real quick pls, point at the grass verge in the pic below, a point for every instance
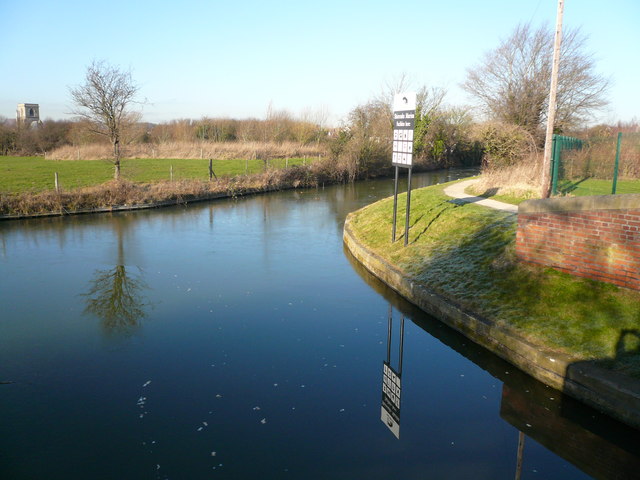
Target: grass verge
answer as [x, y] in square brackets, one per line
[467, 254]
[595, 186]
[506, 198]
[587, 187]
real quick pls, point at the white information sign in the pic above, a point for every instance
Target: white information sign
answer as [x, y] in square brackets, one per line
[404, 115]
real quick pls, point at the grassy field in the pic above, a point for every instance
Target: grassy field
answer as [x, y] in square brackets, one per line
[594, 186]
[22, 174]
[467, 254]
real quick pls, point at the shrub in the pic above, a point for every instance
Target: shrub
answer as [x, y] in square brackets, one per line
[445, 139]
[504, 144]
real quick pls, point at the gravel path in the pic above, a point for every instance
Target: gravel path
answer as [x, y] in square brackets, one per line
[457, 191]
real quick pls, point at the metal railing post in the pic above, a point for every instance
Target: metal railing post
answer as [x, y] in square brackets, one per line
[555, 160]
[615, 168]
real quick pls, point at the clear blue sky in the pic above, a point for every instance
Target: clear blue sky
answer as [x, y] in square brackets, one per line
[226, 58]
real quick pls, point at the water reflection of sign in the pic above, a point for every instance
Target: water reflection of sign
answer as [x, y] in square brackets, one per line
[391, 384]
[391, 388]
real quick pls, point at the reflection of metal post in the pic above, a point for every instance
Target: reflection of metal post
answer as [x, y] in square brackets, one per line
[406, 218]
[395, 207]
[520, 452]
[392, 383]
[401, 346]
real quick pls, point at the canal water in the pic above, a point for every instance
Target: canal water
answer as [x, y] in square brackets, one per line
[237, 339]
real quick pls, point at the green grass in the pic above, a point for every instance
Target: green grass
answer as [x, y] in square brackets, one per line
[588, 187]
[594, 186]
[22, 174]
[467, 254]
[512, 199]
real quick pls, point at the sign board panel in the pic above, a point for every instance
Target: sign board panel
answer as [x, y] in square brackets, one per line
[390, 411]
[404, 120]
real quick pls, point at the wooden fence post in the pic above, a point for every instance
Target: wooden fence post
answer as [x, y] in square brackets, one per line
[211, 174]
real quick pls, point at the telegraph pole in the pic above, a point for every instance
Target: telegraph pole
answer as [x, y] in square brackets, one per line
[551, 115]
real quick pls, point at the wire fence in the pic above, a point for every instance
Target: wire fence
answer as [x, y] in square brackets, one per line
[596, 166]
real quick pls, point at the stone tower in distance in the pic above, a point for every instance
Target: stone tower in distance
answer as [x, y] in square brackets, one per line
[28, 113]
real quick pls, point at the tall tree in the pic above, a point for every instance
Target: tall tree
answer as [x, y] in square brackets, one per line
[104, 101]
[511, 83]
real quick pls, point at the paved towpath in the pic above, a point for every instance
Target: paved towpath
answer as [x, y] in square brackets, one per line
[457, 191]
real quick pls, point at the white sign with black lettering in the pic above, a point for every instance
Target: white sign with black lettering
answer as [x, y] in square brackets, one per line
[404, 120]
[390, 411]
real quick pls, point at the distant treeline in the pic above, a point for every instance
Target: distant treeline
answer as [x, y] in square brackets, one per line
[51, 134]
[360, 146]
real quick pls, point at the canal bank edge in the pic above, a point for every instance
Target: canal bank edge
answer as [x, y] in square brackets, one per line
[611, 392]
[147, 206]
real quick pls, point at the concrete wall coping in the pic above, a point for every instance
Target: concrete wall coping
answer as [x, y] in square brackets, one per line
[576, 204]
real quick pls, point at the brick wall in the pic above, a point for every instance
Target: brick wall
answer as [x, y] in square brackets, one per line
[594, 237]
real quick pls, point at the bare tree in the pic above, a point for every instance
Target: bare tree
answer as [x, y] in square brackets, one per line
[365, 141]
[103, 101]
[277, 125]
[428, 99]
[511, 84]
[429, 102]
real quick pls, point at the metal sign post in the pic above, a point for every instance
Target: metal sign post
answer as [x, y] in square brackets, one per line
[395, 207]
[404, 120]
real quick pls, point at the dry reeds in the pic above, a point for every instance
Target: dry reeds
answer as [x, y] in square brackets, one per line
[217, 150]
[519, 180]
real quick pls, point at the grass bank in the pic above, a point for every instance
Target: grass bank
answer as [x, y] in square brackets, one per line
[466, 253]
[124, 194]
[36, 174]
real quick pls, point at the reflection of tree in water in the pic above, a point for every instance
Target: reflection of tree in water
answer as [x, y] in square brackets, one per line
[116, 297]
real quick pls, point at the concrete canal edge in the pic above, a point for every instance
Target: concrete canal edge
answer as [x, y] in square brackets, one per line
[610, 392]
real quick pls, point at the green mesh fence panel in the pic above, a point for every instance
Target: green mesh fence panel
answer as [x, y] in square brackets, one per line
[589, 167]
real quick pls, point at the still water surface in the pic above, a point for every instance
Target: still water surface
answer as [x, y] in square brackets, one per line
[238, 340]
